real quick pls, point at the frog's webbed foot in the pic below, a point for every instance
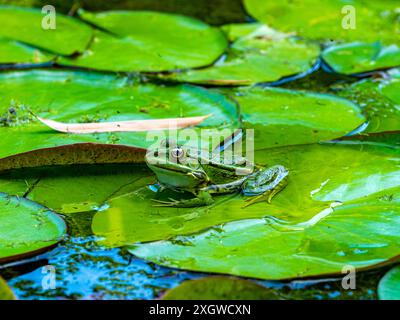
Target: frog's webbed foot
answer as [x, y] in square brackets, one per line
[201, 199]
[264, 185]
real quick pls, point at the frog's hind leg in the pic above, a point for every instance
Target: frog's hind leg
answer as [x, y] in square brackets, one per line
[264, 185]
[230, 187]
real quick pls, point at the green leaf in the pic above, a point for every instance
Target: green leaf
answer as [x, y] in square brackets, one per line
[287, 117]
[261, 55]
[331, 19]
[26, 228]
[340, 207]
[379, 100]
[87, 97]
[220, 288]
[311, 168]
[141, 45]
[389, 286]
[13, 52]
[5, 291]
[89, 187]
[358, 57]
[25, 25]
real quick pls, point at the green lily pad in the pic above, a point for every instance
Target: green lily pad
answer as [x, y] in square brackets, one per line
[358, 57]
[257, 248]
[5, 291]
[311, 228]
[26, 228]
[389, 286]
[13, 52]
[220, 288]
[25, 25]
[183, 43]
[316, 181]
[261, 55]
[89, 187]
[287, 117]
[87, 97]
[379, 101]
[324, 20]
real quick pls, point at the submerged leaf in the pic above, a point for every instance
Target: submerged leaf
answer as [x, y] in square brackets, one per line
[220, 288]
[5, 291]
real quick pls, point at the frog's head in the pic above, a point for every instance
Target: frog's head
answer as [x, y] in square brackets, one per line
[176, 165]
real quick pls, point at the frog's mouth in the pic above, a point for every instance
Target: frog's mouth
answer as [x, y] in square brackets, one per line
[175, 167]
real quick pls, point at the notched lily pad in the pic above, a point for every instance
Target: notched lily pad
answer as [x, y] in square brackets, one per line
[220, 288]
[26, 228]
[389, 286]
[149, 41]
[257, 54]
[25, 25]
[358, 57]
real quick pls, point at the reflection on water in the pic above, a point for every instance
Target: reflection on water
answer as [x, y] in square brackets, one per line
[85, 270]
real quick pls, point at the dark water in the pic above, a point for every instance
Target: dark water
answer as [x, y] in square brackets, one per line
[85, 270]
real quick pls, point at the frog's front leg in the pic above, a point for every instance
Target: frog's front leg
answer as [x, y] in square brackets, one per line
[202, 198]
[265, 184]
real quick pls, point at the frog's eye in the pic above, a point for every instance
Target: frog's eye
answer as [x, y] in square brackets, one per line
[177, 153]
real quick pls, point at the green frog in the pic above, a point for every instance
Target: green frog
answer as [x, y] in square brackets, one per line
[188, 169]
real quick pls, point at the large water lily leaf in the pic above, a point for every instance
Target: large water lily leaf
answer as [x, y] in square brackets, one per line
[316, 182]
[13, 52]
[389, 286]
[220, 288]
[267, 249]
[361, 57]
[286, 117]
[26, 227]
[380, 102]
[89, 187]
[307, 231]
[261, 55]
[85, 97]
[350, 20]
[183, 43]
[25, 25]
[5, 291]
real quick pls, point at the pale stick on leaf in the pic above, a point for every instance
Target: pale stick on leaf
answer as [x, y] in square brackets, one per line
[124, 126]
